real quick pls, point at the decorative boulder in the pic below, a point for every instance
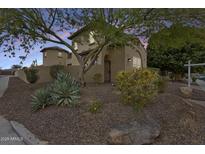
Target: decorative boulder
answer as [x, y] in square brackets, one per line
[186, 91]
[138, 132]
[119, 137]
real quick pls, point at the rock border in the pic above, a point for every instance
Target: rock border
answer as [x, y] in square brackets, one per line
[28, 137]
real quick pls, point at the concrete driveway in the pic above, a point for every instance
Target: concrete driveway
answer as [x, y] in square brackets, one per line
[4, 80]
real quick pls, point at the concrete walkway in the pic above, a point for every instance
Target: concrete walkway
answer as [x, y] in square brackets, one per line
[4, 80]
[8, 135]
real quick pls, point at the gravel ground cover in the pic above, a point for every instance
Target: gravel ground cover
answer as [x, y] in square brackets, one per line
[180, 122]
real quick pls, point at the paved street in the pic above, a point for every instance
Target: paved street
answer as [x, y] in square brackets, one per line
[201, 83]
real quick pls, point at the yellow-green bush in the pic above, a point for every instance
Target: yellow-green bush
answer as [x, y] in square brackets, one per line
[137, 86]
[95, 106]
[162, 84]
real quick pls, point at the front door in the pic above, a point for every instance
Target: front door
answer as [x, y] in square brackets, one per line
[107, 71]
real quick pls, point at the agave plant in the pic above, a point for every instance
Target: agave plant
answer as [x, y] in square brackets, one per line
[41, 99]
[66, 90]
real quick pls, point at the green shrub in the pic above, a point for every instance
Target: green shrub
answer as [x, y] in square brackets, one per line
[97, 78]
[137, 86]
[31, 75]
[155, 69]
[162, 84]
[95, 106]
[66, 90]
[55, 69]
[171, 76]
[194, 79]
[41, 99]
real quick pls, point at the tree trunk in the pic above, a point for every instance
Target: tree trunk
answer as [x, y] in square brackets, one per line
[81, 77]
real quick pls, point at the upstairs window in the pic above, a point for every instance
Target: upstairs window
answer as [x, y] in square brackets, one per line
[45, 54]
[137, 62]
[60, 54]
[75, 46]
[91, 38]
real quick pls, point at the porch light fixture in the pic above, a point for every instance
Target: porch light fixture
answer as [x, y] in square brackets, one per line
[129, 59]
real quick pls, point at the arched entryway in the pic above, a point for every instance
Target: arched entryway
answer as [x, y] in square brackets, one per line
[107, 69]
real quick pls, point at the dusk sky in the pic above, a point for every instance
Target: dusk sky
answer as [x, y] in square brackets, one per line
[6, 62]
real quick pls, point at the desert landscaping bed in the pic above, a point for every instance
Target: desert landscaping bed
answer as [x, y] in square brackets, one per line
[180, 122]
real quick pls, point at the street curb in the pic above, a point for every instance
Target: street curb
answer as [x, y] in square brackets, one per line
[28, 137]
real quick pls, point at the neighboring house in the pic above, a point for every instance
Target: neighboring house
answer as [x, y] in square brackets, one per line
[56, 56]
[110, 60]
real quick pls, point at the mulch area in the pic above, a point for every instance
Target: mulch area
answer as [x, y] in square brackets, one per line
[180, 123]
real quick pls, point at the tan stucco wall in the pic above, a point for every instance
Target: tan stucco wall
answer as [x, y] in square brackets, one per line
[43, 74]
[21, 75]
[53, 59]
[119, 60]
[74, 70]
[74, 60]
[116, 56]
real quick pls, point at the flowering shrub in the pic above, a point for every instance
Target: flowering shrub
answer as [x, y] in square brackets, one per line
[138, 86]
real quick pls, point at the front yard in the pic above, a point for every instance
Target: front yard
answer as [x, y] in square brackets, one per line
[180, 122]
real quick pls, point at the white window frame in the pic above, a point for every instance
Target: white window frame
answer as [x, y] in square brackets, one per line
[75, 46]
[60, 54]
[45, 54]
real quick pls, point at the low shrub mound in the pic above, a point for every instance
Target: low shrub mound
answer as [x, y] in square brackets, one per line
[162, 84]
[138, 86]
[194, 79]
[31, 74]
[95, 106]
[64, 91]
[55, 69]
[41, 99]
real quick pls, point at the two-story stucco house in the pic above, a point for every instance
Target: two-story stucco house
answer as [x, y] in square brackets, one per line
[56, 56]
[110, 60]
